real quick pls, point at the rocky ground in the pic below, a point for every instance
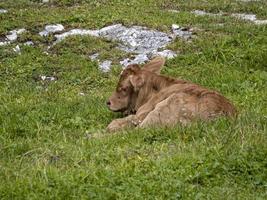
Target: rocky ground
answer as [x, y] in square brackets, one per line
[141, 42]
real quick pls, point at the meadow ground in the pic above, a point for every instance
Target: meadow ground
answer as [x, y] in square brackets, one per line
[46, 151]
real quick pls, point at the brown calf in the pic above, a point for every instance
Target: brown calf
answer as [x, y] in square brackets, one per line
[151, 99]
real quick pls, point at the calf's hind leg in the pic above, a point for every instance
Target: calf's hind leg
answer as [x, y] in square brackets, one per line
[177, 108]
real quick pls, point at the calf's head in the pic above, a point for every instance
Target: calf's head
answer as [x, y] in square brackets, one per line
[132, 78]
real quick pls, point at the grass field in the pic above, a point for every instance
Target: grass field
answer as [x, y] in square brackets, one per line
[46, 151]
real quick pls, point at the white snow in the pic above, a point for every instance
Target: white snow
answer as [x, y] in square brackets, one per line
[139, 59]
[249, 17]
[94, 56]
[242, 16]
[105, 65]
[72, 32]
[3, 11]
[17, 49]
[203, 13]
[4, 43]
[28, 43]
[169, 54]
[140, 41]
[54, 28]
[13, 35]
[47, 78]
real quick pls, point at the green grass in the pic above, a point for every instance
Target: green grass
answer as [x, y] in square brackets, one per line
[46, 151]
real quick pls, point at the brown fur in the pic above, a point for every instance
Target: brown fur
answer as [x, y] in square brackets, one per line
[151, 99]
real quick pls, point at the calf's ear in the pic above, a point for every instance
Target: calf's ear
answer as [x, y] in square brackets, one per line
[137, 81]
[133, 67]
[155, 65]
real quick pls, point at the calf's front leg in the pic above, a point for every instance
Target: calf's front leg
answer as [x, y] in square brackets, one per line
[121, 123]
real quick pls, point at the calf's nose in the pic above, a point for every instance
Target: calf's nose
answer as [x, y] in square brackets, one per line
[108, 103]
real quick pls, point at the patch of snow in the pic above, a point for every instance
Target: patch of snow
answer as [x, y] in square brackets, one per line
[139, 59]
[17, 49]
[72, 32]
[243, 16]
[48, 78]
[54, 28]
[134, 39]
[220, 24]
[126, 62]
[249, 0]
[203, 13]
[181, 32]
[28, 43]
[143, 58]
[260, 22]
[13, 35]
[175, 27]
[3, 11]
[169, 54]
[4, 43]
[249, 17]
[173, 11]
[108, 29]
[45, 1]
[94, 56]
[137, 40]
[105, 66]
[199, 12]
